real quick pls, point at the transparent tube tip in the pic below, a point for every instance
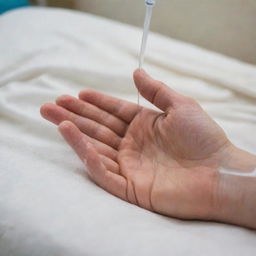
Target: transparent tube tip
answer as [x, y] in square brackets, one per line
[150, 2]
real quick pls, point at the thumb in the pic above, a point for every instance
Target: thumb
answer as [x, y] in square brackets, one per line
[154, 91]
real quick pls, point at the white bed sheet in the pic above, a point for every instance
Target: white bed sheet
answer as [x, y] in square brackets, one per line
[47, 205]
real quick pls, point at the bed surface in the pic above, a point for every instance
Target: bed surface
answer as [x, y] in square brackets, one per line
[48, 206]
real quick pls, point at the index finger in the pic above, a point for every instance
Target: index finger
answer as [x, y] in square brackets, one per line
[122, 109]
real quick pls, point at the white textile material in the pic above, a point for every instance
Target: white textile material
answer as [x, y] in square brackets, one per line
[47, 205]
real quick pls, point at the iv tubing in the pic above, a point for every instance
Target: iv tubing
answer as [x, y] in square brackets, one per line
[149, 6]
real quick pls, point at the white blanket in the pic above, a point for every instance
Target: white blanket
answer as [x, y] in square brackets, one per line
[47, 205]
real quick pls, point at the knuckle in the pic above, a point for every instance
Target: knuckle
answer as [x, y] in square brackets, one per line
[103, 116]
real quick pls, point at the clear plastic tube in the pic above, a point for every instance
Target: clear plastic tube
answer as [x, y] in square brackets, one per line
[149, 8]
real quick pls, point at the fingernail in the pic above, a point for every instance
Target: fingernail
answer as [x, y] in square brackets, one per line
[145, 73]
[142, 71]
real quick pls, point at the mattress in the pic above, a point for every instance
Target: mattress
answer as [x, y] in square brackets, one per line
[48, 206]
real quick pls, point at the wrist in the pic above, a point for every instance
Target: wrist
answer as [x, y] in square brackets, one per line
[236, 159]
[235, 195]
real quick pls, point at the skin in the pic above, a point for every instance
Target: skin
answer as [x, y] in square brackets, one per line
[165, 161]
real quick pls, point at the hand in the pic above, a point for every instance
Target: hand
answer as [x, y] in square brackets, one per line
[164, 161]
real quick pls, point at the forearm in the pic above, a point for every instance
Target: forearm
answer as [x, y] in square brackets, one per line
[236, 195]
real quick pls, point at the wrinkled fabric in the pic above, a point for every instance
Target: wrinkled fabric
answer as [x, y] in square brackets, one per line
[48, 206]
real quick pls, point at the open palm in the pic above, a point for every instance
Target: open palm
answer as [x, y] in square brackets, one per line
[163, 161]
